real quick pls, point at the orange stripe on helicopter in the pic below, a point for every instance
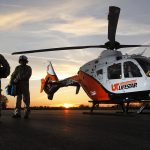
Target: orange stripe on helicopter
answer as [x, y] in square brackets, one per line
[93, 89]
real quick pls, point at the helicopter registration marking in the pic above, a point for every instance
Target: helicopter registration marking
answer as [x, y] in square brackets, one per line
[124, 85]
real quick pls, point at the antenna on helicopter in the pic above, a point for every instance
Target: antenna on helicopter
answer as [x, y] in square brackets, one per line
[112, 44]
[142, 52]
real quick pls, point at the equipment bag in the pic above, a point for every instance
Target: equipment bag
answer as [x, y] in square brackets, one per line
[11, 90]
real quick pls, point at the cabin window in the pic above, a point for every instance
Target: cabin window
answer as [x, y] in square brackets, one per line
[99, 72]
[114, 71]
[131, 70]
[145, 65]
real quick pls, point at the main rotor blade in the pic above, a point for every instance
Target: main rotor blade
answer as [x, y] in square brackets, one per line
[113, 17]
[60, 48]
[126, 46]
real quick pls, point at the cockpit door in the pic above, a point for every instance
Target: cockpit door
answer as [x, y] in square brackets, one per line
[133, 78]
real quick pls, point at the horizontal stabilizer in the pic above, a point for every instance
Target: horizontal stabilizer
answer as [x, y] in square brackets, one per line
[51, 88]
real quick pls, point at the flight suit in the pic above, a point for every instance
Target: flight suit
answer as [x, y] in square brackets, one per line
[21, 77]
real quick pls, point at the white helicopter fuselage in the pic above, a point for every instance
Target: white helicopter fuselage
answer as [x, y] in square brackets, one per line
[105, 78]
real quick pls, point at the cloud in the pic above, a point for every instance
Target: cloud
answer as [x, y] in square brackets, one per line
[12, 20]
[69, 16]
[94, 26]
[126, 27]
[57, 11]
[81, 26]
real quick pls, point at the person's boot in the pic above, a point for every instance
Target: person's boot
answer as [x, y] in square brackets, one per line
[16, 116]
[26, 115]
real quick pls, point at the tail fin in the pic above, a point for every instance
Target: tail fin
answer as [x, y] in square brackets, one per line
[51, 73]
[51, 76]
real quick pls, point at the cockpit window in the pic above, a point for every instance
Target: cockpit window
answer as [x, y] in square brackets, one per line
[114, 71]
[131, 70]
[145, 65]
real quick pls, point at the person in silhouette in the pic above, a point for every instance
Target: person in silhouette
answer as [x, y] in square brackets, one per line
[4, 72]
[21, 77]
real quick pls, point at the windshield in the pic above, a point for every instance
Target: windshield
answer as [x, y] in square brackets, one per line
[131, 70]
[145, 65]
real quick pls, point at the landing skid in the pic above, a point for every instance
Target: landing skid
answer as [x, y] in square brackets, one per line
[124, 106]
[93, 107]
[139, 111]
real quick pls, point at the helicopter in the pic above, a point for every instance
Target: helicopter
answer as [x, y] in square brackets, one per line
[112, 78]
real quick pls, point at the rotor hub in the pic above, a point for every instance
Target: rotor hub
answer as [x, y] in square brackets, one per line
[112, 45]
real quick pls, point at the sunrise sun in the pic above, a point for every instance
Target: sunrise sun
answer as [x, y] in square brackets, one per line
[66, 105]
